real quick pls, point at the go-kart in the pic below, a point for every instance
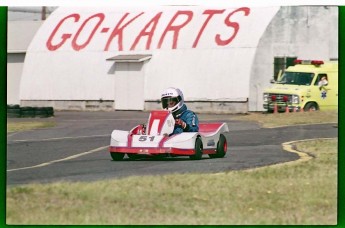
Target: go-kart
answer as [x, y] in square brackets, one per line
[156, 139]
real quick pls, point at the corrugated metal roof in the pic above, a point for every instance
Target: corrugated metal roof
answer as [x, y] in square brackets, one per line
[29, 13]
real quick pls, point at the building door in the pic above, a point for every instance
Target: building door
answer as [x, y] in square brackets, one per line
[129, 86]
[129, 80]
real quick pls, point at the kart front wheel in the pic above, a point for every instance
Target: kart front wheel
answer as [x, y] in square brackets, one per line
[222, 147]
[117, 156]
[198, 150]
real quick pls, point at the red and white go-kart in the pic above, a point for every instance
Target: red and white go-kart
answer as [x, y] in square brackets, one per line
[153, 139]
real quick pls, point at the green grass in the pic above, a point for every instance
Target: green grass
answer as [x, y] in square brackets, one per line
[298, 193]
[25, 126]
[292, 118]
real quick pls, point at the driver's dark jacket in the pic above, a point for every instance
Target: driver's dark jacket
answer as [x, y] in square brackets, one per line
[189, 117]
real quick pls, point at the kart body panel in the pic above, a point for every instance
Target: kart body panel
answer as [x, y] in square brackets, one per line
[156, 138]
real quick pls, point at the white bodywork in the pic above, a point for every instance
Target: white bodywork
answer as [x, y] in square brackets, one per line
[156, 140]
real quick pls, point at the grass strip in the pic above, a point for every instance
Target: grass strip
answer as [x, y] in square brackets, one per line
[293, 118]
[25, 126]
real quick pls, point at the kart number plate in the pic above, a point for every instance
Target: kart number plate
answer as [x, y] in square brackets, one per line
[148, 138]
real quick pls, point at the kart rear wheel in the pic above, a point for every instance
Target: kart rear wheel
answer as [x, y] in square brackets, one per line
[198, 150]
[222, 147]
[133, 156]
[117, 156]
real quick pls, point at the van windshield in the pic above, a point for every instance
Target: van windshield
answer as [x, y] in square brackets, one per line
[296, 78]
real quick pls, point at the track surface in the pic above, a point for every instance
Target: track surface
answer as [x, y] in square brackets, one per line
[77, 148]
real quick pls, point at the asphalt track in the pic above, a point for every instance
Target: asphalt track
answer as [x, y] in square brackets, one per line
[77, 148]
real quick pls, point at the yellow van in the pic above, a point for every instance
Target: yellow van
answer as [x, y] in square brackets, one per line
[309, 85]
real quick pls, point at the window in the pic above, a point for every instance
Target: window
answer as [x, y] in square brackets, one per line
[281, 63]
[318, 78]
[296, 78]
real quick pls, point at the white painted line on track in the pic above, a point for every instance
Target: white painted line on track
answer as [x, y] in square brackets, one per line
[12, 134]
[88, 120]
[60, 160]
[53, 139]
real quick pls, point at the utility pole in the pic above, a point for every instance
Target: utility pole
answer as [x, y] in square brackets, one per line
[43, 13]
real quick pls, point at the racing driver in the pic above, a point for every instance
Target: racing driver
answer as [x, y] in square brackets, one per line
[185, 120]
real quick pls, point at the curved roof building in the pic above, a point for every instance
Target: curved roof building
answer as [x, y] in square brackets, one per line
[121, 58]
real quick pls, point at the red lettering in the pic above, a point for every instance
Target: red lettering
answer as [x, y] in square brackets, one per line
[149, 34]
[175, 28]
[210, 13]
[234, 25]
[118, 31]
[178, 21]
[78, 47]
[64, 37]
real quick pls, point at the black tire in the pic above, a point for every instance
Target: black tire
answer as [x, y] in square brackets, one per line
[222, 146]
[133, 156]
[27, 112]
[41, 112]
[27, 108]
[50, 111]
[311, 107]
[117, 156]
[13, 113]
[13, 106]
[198, 150]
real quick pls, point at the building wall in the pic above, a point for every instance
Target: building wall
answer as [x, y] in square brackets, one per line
[20, 34]
[307, 32]
[15, 62]
[201, 50]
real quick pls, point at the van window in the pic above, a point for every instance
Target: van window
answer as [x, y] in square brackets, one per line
[318, 78]
[296, 78]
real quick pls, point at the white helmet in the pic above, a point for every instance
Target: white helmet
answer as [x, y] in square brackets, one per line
[172, 94]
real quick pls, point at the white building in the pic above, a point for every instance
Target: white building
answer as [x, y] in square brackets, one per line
[20, 34]
[122, 58]
[23, 23]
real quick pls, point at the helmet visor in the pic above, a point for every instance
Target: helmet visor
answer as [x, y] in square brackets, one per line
[169, 102]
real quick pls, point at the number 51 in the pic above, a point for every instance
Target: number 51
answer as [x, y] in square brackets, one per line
[144, 138]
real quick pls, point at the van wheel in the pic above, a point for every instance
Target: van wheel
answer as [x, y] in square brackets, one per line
[311, 107]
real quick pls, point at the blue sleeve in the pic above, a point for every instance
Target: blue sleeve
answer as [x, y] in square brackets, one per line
[192, 122]
[177, 130]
